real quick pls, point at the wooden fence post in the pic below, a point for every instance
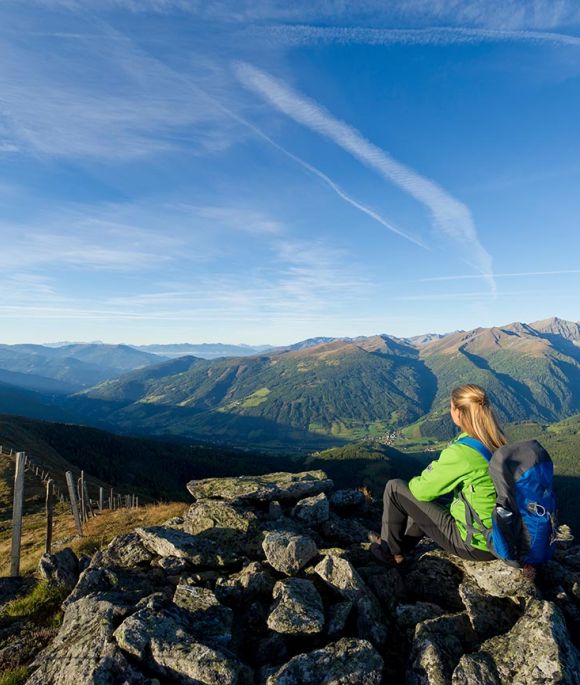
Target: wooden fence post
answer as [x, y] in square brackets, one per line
[88, 504]
[111, 501]
[49, 509]
[73, 502]
[100, 499]
[17, 514]
[82, 496]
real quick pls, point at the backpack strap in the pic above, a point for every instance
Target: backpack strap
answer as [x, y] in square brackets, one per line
[476, 444]
[471, 516]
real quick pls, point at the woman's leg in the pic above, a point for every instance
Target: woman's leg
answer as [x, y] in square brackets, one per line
[429, 518]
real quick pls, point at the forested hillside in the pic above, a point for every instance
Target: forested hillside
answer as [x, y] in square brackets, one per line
[329, 393]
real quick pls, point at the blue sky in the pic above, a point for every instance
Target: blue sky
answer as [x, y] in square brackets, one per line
[264, 172]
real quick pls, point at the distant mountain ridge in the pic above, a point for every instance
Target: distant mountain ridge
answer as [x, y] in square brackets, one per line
[68, 367]
[204, 350]
[316, 393]
[347, 388]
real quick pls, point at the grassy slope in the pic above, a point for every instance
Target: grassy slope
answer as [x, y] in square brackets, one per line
[98, 531]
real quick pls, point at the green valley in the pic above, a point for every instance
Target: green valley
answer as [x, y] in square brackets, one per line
[330, 393]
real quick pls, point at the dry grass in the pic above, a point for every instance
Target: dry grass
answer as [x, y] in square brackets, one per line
[15, 676]
[98, 531]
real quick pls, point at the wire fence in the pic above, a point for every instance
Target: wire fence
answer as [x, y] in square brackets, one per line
[86, 500]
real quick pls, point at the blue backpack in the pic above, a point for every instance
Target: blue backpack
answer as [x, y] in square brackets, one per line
[524, 518]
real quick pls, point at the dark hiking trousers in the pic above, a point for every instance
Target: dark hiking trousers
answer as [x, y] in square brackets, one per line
[406, 520]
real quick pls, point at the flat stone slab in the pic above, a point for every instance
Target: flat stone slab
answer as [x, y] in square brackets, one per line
[271, 486]
[199, 551]
[347, 661]
[498, 579]
[210, 514]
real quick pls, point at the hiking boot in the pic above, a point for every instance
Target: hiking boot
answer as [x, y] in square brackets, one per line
[381, 552]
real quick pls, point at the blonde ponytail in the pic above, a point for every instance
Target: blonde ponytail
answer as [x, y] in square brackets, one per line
[477, 418]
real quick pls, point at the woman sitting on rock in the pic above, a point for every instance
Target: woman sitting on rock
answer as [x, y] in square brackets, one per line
[409, 510]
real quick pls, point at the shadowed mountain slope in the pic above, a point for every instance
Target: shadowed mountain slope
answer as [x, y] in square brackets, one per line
[347, 388]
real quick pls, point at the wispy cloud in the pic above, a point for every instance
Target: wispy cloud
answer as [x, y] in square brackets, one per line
[240, 219]
[300, 282]
[482, 295]
[295, 35]
[451, 216]
[520, 274]
[102, 238]
[488, 13]
[131, 127]
[104, 99]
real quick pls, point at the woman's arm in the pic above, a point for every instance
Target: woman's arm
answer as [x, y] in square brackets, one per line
[441, 476]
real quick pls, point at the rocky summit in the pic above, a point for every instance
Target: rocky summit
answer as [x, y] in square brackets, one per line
[269, 580]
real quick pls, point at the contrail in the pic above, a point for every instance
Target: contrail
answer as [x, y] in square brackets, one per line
[506, 275]
[304, 34]
[114, 33]
[451, 216]
[319, 174]
[337, 189]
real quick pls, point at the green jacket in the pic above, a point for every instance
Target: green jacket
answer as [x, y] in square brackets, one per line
[464, 468]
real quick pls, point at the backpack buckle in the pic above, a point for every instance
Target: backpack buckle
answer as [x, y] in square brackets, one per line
[535, 508]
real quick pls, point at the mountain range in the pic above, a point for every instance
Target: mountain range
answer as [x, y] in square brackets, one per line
[317, 393]
[67, 368]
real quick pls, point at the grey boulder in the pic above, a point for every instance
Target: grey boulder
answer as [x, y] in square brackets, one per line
[287, 551]
[211, 619]
[126, 550]
[536, 651]
[438, 645]
[163, 639]
[342, 576]
[312, 510]
[252, 582]
[347, 661]
[199, 551]
[498, 579]
[84, 652]
[264, 488]
[347, 498]
[61, 568]
[297, 608]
